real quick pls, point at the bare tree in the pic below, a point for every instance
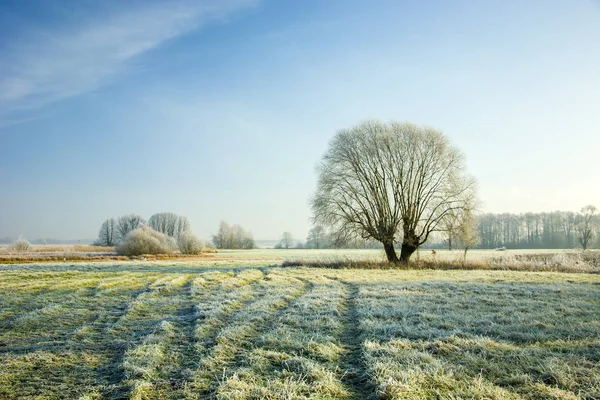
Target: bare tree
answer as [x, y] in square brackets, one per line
[317, 238]
[128, 223]
[220, 238]
[449, 227]
[586, 226]
[108, 233]
[169, 223]
[390, 181]
[468, 232]
[286, 240]
[233, 237]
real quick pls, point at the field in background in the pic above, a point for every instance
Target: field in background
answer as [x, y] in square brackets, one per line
[175, 330]
[274, 256]
[379, 255]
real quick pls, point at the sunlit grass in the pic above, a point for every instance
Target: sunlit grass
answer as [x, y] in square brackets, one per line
[169, 331]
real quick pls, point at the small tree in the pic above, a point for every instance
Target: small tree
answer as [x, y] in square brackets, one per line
[449, 227]
[107, 236]
[21, 244]
[220, 238]
[468, 232]
[286, 240]
[586, 226]
[189, 243]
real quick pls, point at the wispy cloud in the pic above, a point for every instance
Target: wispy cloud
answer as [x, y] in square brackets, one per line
[61, 65]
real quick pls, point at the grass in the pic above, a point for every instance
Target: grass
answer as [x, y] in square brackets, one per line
[588, 262]
[173, 331]
[532, 260]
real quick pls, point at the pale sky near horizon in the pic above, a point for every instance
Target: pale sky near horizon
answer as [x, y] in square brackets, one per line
[220, 110]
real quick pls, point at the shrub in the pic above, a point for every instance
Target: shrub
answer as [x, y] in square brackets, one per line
[145, 240]
[21, 245]
[189, 243]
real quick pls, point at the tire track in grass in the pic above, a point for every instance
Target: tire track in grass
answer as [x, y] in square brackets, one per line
[84, 343]
[104, 319]
[356, 376]
[154, 320]
[242, 359]
[39, 303]
[140, 363]
[241, 329]
[88, 299]
[308, 288]
[272, 324]
[214, 319]
[170, 346]
[159, 363]
[181, 354]
[111, 325]
[298, 353]
[184, 349]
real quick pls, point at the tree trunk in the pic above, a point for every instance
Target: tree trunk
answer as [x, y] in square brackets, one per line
[407, 250]
[390, 252]
[410, 243]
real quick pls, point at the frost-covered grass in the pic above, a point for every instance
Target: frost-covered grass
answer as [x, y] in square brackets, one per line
[170, 331]
[528, 260]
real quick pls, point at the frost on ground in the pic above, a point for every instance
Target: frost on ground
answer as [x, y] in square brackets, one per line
[173, 332]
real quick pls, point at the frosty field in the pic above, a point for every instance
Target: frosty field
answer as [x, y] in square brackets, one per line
[154, 331]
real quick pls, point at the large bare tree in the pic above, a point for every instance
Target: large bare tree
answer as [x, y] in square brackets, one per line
[390, 182]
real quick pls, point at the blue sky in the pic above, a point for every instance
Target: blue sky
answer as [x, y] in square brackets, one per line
[220, 110]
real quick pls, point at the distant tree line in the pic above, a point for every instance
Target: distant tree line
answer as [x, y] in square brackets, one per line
[458, 229]
[464, 230]
[552, 230]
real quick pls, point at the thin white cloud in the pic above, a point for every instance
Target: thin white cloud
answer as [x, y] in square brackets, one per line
[61, 65]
